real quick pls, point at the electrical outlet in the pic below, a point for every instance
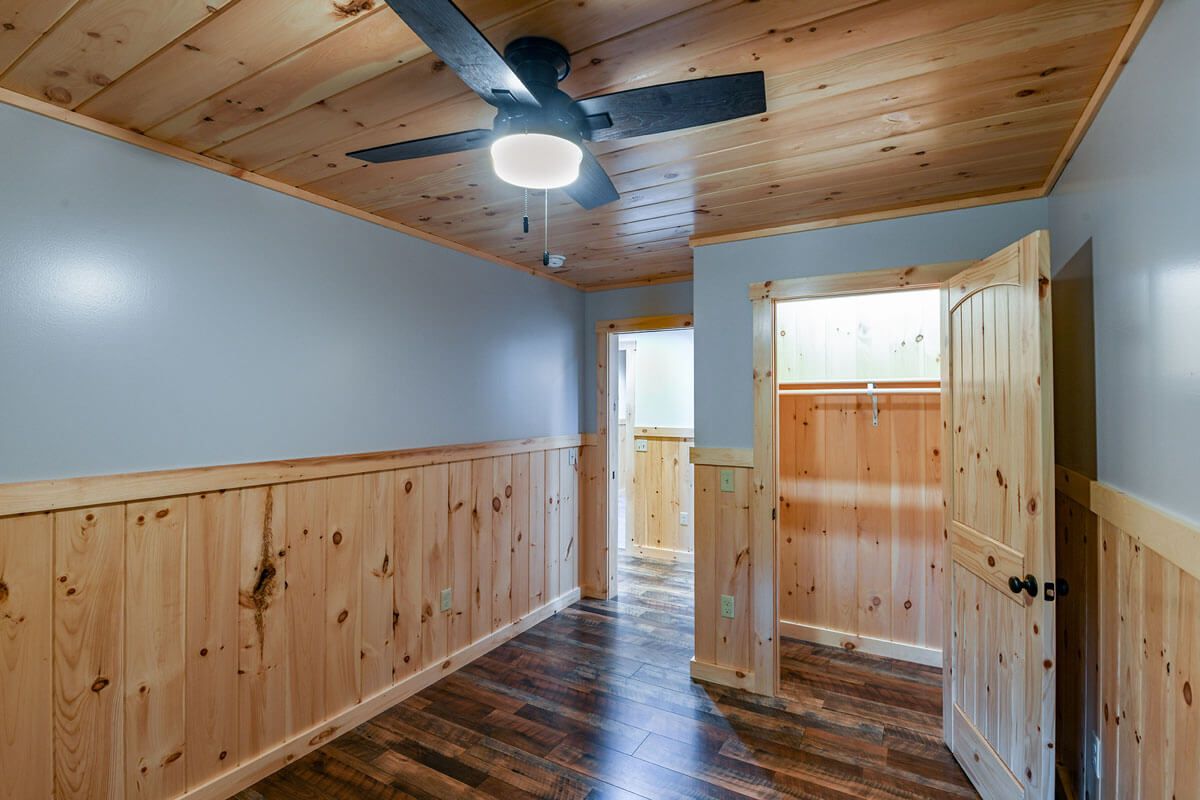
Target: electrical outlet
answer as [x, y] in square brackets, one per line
[684, 518]
[643, 446]
[447, 599]
[571, 457]
[727, 606]
[726, 480]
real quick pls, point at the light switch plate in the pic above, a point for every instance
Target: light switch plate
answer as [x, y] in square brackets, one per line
[571, 457]
[684, 518]
[447, 599]
[726, 480]
[727, 606]
[643, 446]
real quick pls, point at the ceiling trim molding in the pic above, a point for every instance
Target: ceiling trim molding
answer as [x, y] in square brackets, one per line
[47, 109]
[636, 283]
[1137, 28]
[869, 216]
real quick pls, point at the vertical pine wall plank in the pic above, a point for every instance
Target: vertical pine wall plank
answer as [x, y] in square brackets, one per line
[26, 650]
[553, 534]
[89, 565]
[155, 622]
[459, 534]
[708, 482]
[406, 589]
[378, 572]
[873, 504]
[435, 552]
[501, 555]
[213, 550]
[568, 488]
[262, 621]
[520, 535]
[481, 547]
[343, 593]
[733, 571]
[304, 597]
[537, 530]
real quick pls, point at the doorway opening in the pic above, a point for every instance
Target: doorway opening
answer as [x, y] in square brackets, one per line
[860, 512]
[655, 434]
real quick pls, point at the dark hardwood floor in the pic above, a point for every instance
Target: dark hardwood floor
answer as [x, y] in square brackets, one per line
[597, 703]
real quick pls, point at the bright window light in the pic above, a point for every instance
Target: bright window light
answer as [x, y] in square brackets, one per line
[536, 160]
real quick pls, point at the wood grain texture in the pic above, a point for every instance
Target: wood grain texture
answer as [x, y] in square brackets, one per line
[188, 645]
[542, 717]
[27, 654]
[723, 566]
[155, 648]
[662, 483]
[89, 629]
[213, 549]
[863, 565]
[1147, 667]
[923, 104]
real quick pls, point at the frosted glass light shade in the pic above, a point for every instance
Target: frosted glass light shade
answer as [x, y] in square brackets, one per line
[536, 160]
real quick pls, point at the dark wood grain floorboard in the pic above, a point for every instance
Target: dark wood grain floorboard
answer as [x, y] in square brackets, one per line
[597, 702]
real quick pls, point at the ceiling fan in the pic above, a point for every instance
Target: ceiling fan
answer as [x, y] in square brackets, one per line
[536, 139]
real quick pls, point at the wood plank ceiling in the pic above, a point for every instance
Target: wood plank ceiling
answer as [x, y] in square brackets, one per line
[873, 105]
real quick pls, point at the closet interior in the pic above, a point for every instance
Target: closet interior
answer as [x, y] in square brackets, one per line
[859, 473]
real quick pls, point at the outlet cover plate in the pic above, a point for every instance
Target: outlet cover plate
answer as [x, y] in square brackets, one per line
[727, 606]
[447, 599]
[726, 480]
[643, 446]
[685, 518]
[571, 457]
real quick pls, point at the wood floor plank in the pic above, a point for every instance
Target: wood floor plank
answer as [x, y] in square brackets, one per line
[597, 702]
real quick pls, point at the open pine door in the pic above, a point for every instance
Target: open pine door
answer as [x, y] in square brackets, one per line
[999, 485]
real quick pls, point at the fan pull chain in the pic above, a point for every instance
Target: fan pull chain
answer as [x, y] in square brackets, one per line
[546, 231]
[525, 219]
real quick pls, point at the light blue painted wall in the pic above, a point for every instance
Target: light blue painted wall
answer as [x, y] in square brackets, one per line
[154, 314]
[724, 272]
[642, 301]
[1132, 190]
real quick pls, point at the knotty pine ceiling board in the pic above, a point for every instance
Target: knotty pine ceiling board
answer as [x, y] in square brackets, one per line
[872, 105]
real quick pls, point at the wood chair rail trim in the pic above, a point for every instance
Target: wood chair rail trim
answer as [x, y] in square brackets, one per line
[1176, 540]
[742, 457]
[60, 493]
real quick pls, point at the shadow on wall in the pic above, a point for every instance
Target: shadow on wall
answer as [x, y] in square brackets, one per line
[1076, 544]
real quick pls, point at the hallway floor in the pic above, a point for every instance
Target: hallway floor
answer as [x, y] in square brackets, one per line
[596, 702]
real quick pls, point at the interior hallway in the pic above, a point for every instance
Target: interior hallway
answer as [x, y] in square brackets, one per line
[596, 702]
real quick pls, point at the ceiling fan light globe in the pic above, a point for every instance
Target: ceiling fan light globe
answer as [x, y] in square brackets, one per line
[536, 160]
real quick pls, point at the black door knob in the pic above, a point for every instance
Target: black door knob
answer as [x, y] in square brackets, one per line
[1029, 584]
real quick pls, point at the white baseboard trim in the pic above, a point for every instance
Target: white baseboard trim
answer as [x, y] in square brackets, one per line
[264, 764]
[862, 644]
[661, 554]
[725, 676]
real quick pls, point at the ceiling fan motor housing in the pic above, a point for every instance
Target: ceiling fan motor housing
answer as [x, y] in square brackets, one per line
[541, 64]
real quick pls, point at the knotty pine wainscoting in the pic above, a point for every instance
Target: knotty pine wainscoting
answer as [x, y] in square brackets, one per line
[722, 531]
[860, 522]
[1141, 608]
[662, 490]
[184, 633]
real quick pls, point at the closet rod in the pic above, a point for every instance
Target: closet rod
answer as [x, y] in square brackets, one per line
[819, 392]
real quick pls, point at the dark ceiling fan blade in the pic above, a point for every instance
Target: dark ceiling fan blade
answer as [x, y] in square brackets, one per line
[465, 50]
[430, 146]
[672, 106]
[593, 187]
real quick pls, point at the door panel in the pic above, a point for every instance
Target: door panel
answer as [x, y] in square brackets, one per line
[998, 474]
